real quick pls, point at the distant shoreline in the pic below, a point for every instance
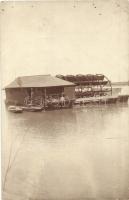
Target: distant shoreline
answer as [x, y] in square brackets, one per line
[120, 83]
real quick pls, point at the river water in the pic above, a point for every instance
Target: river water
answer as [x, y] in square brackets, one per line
[80, 153]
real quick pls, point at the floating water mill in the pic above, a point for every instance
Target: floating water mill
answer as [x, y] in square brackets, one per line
[89, 85]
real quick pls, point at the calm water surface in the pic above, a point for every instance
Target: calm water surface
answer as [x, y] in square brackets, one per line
[80, 153]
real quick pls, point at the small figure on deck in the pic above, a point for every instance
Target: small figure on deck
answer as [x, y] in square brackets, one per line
[31, 96]
[67, 100]
[62, 100]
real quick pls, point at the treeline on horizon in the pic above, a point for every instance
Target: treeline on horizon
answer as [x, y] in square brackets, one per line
[120, 83]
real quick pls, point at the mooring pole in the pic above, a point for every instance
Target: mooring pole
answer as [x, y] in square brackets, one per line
[45, 95]
[31, 95]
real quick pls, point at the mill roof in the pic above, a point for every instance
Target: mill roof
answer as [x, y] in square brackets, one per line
[38, 81]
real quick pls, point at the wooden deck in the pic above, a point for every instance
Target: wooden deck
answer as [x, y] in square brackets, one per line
[100, 100]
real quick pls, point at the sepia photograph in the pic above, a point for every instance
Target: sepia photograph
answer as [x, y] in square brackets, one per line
[64, 99]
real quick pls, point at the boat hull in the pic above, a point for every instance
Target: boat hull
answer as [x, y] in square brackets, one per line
[123, 98]
[15, 109]
[32, 109]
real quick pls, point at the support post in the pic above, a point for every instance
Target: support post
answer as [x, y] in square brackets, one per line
[45, 95]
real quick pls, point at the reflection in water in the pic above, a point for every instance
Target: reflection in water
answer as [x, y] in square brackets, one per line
[76, 153]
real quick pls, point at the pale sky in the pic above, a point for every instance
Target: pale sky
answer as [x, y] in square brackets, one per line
[65, 37]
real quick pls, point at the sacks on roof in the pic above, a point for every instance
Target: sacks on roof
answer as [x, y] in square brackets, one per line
[70, 78]
[81, 77]
[89, 77]
[100, 77]
[60, 76]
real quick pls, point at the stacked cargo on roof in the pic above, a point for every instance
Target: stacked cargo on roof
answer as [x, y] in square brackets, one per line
[89, 85]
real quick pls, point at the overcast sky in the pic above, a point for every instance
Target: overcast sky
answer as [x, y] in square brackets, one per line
[65, 37]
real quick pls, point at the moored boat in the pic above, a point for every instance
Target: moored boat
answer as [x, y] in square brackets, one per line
[99, 100]
[123, 98]
[108, 100]
[15, 109]
[32, 108]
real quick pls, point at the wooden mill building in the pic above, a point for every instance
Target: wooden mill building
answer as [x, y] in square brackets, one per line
[42, 86]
